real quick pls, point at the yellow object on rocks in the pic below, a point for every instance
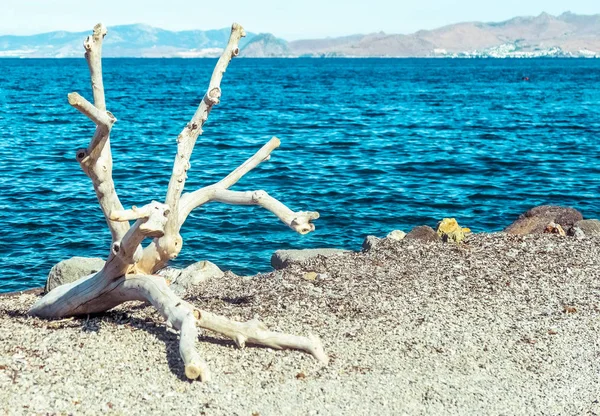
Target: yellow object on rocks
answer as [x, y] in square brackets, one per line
[310, 276]
[449, 230]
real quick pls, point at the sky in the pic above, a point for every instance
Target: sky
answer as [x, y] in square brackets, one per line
[287, 19]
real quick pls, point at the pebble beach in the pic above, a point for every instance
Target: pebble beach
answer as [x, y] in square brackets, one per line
[499, 324]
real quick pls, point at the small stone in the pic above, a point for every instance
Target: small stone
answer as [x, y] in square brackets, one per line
[577, 233]
[322, 276]
[396, 235]
[193, 275]
[370, 242]
[586, 228]
[310, 276]
[170, 274]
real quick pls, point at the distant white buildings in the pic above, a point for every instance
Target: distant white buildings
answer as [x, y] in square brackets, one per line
[511, 50]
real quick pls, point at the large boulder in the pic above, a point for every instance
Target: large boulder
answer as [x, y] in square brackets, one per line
[183, 279]
[422, 233]
[587, 228]
[537, 219]
[69, 270]
[283, 258]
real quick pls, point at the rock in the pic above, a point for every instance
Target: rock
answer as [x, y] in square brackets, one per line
[449, 230]
[283, 258]
[170, 274]
[370, 242]
[69, 270]
[422, 233]
[587, 227]
[554, 228]
[536, 219]
[577, 233]
[396, 235]
[192, 275]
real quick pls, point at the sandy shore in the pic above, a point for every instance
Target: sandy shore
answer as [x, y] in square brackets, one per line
[500, 325]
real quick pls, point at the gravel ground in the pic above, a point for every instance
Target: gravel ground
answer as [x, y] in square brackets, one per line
[499, 325]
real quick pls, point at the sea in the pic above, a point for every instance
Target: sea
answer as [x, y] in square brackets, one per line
[373, 145]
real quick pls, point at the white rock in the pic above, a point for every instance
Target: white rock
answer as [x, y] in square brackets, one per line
[396, 235]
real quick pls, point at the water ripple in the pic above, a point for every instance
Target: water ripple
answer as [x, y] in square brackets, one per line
[373, 144]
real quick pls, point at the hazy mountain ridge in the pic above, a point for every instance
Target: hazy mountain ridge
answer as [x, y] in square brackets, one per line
[545, 35]
[136, 40]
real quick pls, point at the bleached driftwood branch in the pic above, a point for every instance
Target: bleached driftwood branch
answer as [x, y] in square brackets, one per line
[128, 272]
[95, 293]
[219, 192]
[96, 159]
[187, 140]
[297, 221]
[93, 56]
[255, 332]
[192, 200]
[101, 118]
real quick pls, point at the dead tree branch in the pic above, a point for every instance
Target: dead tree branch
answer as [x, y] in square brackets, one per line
[128, 271]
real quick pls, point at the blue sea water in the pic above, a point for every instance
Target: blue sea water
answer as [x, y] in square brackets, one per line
[372, 144]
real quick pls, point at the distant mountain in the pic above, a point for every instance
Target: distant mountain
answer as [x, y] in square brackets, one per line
[265, 45]
[544, 35]
[123, 41]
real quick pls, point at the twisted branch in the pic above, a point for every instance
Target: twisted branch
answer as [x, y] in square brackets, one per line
[255, 332]
[160, 251]
[93, 56]
[192, 200]
[96, 159]
[188, 136]
[126, 275]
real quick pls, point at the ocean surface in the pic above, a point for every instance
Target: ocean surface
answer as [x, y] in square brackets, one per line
[372, 144]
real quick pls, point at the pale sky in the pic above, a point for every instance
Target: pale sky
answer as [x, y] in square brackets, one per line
[287, 19]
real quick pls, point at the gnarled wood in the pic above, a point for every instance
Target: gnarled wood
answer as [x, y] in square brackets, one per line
[96, 159]
[170, 245]
[128, 272]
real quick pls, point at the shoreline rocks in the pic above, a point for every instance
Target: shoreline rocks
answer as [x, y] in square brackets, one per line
[370, 242]
[396, 235]
[586, 228]
[69, 270]
[423, 233]
[561, 221]
[538, 218]
[182, 280]
[284, 258]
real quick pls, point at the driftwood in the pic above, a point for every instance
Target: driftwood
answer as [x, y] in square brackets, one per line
[129, 272]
